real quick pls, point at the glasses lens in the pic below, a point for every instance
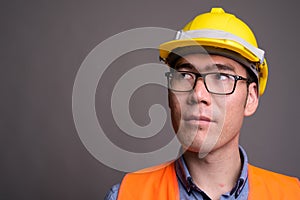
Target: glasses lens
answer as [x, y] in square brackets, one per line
[181, 81]
[220, 83]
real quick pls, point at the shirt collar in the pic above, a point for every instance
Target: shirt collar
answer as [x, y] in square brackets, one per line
[184, 176]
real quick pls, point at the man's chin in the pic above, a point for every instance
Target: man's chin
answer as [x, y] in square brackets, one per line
[202, 149]
[196, 148]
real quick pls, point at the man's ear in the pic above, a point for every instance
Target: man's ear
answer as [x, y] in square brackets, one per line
[252, 100]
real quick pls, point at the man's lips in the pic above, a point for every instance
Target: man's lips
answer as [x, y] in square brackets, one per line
[198, 120]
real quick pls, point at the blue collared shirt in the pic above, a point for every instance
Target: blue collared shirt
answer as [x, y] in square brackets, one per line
[188, 190]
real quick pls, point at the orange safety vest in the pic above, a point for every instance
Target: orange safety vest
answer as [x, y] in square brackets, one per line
[160, 183]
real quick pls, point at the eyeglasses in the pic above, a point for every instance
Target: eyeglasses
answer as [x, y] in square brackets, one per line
[215, 82]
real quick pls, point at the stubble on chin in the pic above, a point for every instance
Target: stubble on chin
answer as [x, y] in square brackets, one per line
[199, 140]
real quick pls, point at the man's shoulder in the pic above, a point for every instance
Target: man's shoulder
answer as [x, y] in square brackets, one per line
[267, 174]
[266, 181]
[140, 177]
[112, 194]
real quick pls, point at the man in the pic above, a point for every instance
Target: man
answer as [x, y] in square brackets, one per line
[217, 74]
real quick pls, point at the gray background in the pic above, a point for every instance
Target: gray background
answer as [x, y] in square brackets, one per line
[43, 44]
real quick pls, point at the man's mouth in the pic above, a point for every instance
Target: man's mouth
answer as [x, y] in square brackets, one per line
[200, 120]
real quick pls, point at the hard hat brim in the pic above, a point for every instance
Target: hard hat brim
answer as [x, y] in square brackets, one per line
[168, 47]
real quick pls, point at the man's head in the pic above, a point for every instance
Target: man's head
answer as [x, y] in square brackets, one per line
[217, 73]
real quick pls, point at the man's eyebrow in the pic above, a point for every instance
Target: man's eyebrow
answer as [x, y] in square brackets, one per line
[184, 65]
[211, 67]
[223, 67]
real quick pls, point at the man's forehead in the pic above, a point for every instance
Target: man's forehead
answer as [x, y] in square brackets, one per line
[207, 62]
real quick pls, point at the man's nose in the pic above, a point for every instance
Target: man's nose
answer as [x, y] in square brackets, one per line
[200, 93]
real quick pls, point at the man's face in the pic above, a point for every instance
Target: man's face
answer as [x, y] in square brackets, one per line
[205, 121]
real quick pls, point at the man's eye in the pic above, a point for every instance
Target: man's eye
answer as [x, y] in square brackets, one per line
[222, 77]
[185, 75]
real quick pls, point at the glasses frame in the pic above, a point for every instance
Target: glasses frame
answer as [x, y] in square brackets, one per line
[203, 76]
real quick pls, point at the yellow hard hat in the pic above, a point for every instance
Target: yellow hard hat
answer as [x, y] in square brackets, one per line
[221, 30]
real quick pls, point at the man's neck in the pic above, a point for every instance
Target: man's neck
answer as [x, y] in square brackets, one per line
[218, 172]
